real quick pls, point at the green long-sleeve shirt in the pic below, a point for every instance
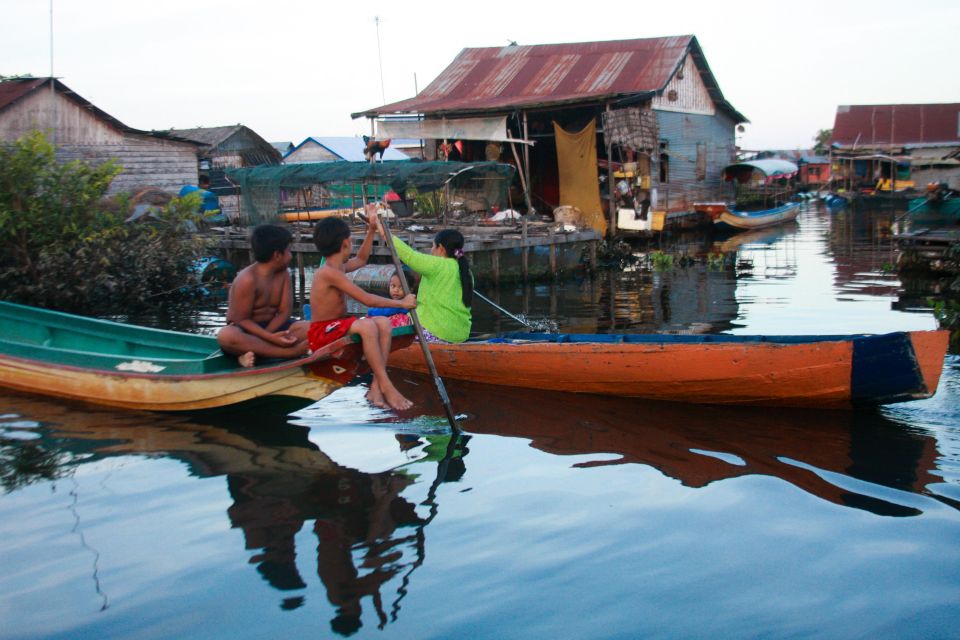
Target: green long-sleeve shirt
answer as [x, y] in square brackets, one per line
[440, 296]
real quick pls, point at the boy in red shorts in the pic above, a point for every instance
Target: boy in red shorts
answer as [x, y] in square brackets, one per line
[329, 308]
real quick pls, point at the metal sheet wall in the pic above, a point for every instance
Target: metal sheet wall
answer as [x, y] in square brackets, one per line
[683, 132]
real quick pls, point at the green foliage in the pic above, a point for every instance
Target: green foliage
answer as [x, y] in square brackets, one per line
[661, 261]
[947, 313]
[821, 140]
[430, 204]
[63, 246]
[716, 261]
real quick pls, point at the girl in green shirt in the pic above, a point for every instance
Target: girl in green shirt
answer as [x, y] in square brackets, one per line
[446, 286]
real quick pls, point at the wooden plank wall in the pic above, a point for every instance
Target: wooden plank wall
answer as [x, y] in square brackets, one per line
[147, 161]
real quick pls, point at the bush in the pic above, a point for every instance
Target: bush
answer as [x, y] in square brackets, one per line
[63, 246]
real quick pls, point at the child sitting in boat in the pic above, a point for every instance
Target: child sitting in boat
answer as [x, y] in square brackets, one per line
[398, 316]
[260, 303]
[329, 308]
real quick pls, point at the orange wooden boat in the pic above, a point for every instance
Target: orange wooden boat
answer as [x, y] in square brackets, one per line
[799, 371]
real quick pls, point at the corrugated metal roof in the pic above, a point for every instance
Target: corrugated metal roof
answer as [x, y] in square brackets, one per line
[896, 124]
[348, 148]
[216, 137]
[210, 136]
[505, 78]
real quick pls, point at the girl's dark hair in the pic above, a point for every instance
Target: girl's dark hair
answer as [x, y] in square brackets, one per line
[405, 274]
[452, 242]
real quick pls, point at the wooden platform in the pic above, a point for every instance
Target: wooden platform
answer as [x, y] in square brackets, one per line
[929, 249]
[530, 250]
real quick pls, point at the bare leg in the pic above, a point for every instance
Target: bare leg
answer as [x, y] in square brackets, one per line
[385, 340]
[237, 342]
[369, 331]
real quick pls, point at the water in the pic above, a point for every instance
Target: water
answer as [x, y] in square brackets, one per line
[556, 515]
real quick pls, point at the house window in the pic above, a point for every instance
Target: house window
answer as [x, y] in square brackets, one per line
[701, 161]
[664, 163]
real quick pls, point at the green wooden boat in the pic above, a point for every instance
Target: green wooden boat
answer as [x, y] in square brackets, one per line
[115, 364]
[941, 212]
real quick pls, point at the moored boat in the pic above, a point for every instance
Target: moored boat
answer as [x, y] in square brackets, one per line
[800, 371]
[743, 220]
[762, 193]
[115, 364]
[945, 211]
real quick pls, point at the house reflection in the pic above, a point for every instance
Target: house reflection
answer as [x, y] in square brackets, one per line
[367, 532]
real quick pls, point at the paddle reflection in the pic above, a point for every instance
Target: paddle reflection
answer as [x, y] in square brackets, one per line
[816, 451]
[368, 533]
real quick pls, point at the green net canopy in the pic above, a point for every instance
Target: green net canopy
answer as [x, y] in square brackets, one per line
[262, 188]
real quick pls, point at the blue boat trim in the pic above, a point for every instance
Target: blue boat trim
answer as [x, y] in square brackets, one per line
[885, 370]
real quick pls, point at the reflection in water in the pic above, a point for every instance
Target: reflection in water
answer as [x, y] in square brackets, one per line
[367, 532]
[812, 450]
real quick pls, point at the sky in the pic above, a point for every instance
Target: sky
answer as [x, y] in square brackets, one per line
[289, 69]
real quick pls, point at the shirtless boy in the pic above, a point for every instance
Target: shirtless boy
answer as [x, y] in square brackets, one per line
[260, 302]
[329, 307]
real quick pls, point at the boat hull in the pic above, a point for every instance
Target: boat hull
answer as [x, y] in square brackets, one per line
[119, 365]
[830, 372]
[934, 212]
[742, 220]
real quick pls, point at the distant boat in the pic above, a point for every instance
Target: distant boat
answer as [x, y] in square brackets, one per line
[931, 211]
[842, 371]
[725, 218]
[120, 365]
[756, 178]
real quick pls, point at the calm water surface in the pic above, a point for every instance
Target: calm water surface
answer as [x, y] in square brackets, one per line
[555, 515]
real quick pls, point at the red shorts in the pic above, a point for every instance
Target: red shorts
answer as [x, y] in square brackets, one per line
[322, 333]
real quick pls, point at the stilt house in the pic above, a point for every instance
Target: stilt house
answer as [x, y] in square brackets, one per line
[585, 123]
[228, 147]
[893, 146]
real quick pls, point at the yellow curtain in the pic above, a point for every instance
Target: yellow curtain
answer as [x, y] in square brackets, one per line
[577, 164]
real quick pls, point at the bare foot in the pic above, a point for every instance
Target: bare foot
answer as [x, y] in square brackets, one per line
[396, 400]
[375, 396]
[247, 359]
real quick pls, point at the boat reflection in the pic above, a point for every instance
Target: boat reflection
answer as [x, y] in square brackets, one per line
[823, 453]
[368, 532]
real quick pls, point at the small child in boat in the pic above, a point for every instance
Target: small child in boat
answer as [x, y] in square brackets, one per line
[329, 308]
[398, 316]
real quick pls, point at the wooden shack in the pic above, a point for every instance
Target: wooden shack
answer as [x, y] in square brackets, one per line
[82, 131]
[653, 121]
[813, 168]
[228, 147]
[335, 148]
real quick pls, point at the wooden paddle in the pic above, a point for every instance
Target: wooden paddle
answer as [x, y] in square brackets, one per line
[427, 356]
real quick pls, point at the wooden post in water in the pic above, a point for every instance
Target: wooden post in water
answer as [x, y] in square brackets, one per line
[524, 259]
[553, 254]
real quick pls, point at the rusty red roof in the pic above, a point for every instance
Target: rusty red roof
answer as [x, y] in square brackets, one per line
[15, 88]
[505, 78]
[865, 125]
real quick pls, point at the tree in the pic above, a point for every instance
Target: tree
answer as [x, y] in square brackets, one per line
[822, 140]
[63, 245]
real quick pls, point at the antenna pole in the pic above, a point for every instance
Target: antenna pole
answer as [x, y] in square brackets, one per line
[383, 94]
